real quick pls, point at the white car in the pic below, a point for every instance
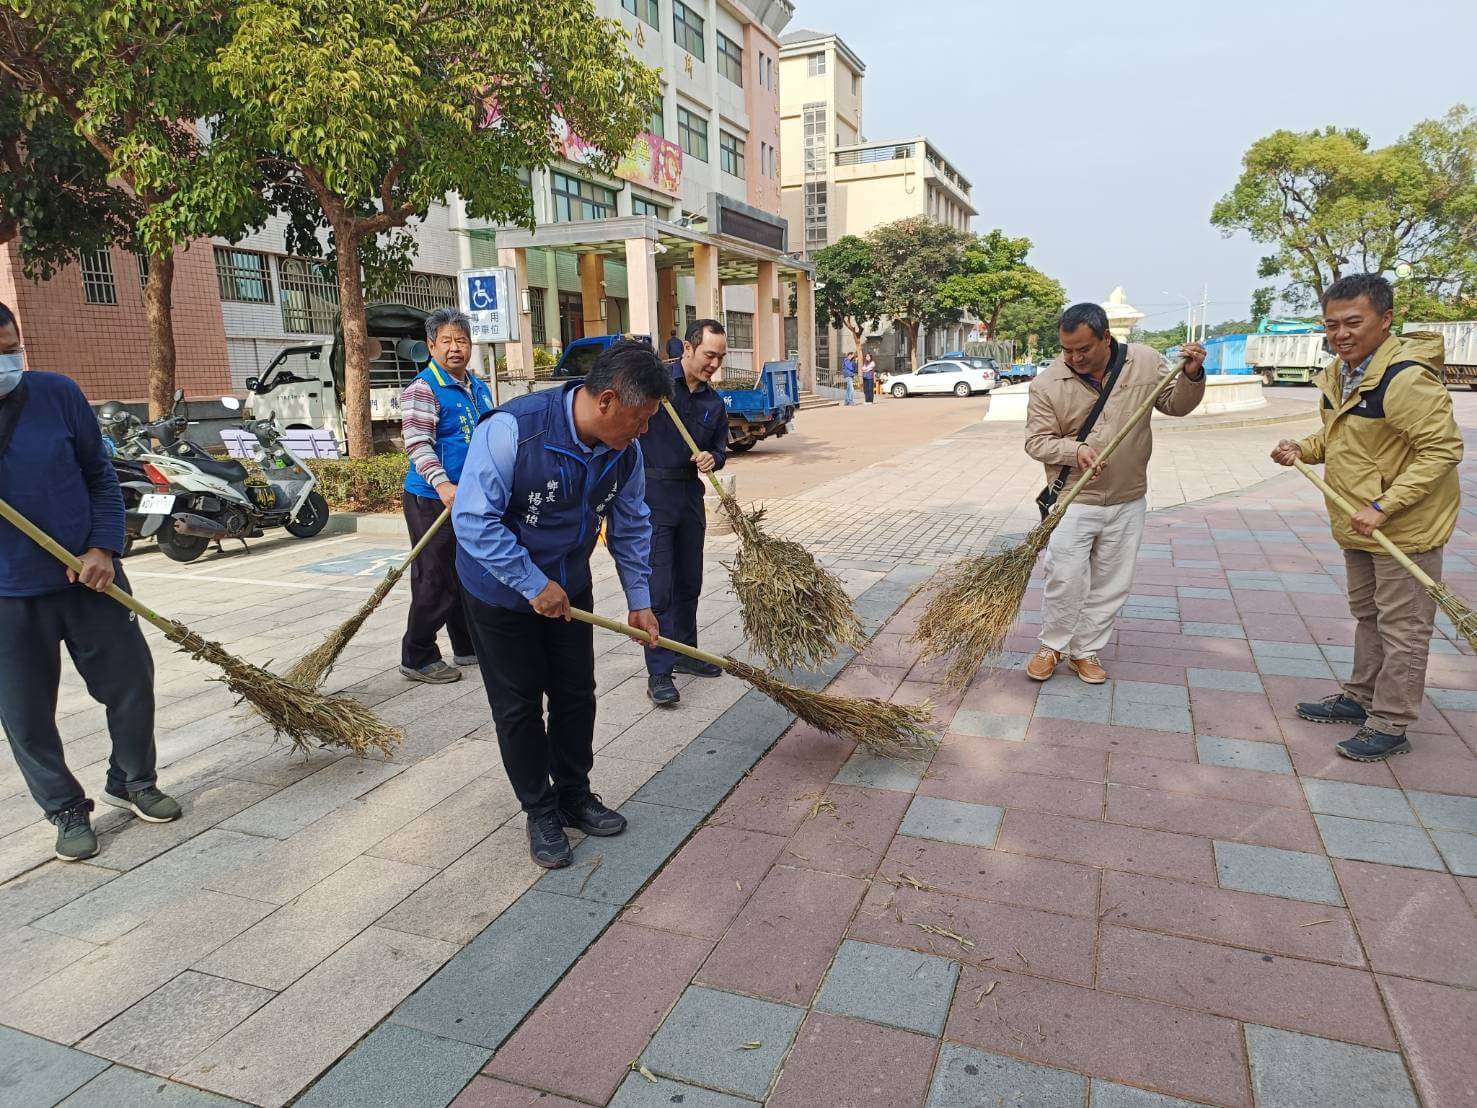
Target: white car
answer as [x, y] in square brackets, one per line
[959, 377]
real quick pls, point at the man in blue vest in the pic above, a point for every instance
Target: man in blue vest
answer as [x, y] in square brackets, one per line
[674, 493]
[542, 474]
[439, 412]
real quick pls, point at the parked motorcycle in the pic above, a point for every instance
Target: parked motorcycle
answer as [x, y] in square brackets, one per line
[148, 497]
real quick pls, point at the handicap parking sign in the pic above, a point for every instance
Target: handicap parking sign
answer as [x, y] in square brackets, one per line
[482, 293]
[489, 297]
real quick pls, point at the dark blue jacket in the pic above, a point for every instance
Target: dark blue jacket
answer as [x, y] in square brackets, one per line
[706, 418]
[56, 473]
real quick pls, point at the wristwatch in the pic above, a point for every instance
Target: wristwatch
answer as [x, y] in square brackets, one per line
[1375, 504]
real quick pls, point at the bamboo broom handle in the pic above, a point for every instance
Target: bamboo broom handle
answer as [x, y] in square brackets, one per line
[424, 539]
[1390, 548]
[641, 636]
[682, 430]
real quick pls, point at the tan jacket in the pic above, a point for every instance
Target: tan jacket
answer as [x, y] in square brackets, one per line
[1061, 402]
[1396, 442]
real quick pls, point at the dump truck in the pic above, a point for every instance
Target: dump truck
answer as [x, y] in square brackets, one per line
[1287, 358]
[1461, 349]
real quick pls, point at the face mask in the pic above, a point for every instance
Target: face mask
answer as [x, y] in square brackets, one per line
[11, 368]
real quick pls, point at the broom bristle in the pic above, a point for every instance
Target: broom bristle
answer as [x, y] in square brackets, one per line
[1457, 611]
[298, 713]
[310, 671]
[890, 730]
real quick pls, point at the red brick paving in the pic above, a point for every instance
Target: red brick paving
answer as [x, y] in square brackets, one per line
[1093, 843]
[1227, 820]
[1033, 792]
[993, 875]
[1436, 1027]
[851, 1064]
[704, 887]
[1414, 923]
[1226, 783]
[852, 835]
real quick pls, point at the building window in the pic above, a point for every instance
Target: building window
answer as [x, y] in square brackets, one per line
[815, 137]
[648, 11]
[856, 85]
[730, 59]
[692, 134]
[571, 317]
[576, 200]
[815, 215]
[687, 29]
[97, 277]
[764, 159]
[309, 297]
[242, 276]
[658, 120]
[642, 206]
[426, 291]
[741, 330]
[689, 317]
[143, 270]
[536, 319]
[731, 154]
[816, 64]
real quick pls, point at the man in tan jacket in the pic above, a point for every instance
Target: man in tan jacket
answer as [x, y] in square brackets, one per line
[1090, 559]
[1390, 445]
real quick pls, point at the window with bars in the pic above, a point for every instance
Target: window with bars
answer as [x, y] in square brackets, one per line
[576, 200]
[97, 277]
[692, 134]
[648, 11]
[642, 206]
[740, 330]
[731, 153]
[242, 276]
[426, 291]
[538, 322]
[815, 214]
[143, 270]
[815, 64]
[687, 29]
[309, 297]
[730, 59]
[815, 136]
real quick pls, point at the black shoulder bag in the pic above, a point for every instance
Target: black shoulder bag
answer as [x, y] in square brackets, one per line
[1046, 498]
[10, 413]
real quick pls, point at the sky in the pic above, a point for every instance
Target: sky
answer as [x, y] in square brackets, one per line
[1106, 133]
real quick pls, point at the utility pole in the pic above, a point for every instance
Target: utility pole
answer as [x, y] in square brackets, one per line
[1204, 309]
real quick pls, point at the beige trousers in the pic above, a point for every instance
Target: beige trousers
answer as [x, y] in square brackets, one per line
[1089, 574]
[1393, 636]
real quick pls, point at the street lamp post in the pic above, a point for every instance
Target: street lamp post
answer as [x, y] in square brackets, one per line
[1189, 314]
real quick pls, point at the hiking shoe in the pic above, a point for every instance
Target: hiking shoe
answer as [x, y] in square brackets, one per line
[592, 817]
[1338, 708]
[1043, 664]
[548, 845]
[661, 692]
[684, 664]
[437, 673]
[148, 804]
[1088, 668]
[464, 659]
[1369, 745]
[75, 838]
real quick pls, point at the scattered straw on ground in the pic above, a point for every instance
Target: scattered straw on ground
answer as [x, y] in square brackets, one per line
[310, 671]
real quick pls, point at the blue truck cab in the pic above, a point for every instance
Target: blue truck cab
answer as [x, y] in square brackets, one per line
[762, 408]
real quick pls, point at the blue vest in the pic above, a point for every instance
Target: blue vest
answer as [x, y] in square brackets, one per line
[459, 416]
[558, 500]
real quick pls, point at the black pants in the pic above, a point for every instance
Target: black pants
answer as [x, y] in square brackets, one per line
[869, 386]
[435, 594]
[110, 653]
[678, 524]
[525, 657]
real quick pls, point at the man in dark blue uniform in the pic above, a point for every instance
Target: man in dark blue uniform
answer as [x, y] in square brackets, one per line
[674, 493]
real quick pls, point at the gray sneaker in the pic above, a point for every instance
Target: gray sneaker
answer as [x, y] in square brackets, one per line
[75, 838]
[437, 673]
[464, 659]
[149, 804]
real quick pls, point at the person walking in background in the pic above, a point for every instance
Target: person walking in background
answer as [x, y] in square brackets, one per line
[848, 378]
[439, 411]
[1390, 444]
[674, 346]
[869, 379]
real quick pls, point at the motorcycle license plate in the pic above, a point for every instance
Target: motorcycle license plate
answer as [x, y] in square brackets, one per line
[155, 504]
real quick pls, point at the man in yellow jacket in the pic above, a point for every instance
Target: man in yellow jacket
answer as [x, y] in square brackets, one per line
[1389, 443]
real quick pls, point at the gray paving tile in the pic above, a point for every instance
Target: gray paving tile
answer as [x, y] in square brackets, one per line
[1446, 813]
[870, 771]
[952, 821]
[1231, 680]
[699, 777]
[1196, 563]
[1366, 841]
[1344, 798]
[1167, 615]
[1072, 707]
[1271, 648]
[1107, 1094]
[1456, 700]
[491, 984]
[1254, 582]
[883, 984]
[398, 1065]
[1150, 692]
[1214, 630]
[37, 1072]
[1151, 717]
[989, 725]
[966, 1076]
[1243, 754]
[706, 1040]
[1459, 851]
[176, 1022]
[1276, 666]
[754, 721]
[283, 814]
[1198, 592]
[613, 869]
[117, 1087]
[637, 1091]
[1337, 653]
[1144, 600]
[1293, 1070]
[1276, 872]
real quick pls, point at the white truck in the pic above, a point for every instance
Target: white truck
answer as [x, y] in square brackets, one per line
[1461, 349]
[1286, 358]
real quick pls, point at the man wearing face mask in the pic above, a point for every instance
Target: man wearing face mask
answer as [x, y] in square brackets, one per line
[55, 471]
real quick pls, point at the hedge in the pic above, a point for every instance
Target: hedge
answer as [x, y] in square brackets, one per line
[362, 484]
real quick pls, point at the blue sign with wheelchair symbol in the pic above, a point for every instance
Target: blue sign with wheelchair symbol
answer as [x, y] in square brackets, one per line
[482, 293]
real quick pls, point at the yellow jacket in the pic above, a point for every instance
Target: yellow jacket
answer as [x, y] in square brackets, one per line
[1394, 440]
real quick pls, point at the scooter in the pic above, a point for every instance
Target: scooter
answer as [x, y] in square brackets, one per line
[148, 499]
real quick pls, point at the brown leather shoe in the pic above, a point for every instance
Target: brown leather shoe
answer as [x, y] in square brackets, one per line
[1089, 669]
[1043, 664]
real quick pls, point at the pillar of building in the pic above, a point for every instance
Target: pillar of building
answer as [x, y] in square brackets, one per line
[769, 318]
[592, 292]
[520, 353]
[705, 274]
[642, 296]
[805, 329]
[666, 304]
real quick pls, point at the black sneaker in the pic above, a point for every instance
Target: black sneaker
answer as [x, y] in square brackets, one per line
[592, 817]
[661, 692]
[1369, 745]
[148, 804]
[75, 838]
[684, 664]
[1337, 708]
[548, 845]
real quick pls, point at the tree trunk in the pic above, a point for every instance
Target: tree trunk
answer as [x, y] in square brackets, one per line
[913, 351]
[994, 322]
[159, 310]
[856, 337]
[356, 342]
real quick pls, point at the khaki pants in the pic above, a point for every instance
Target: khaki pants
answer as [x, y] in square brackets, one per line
[1393, 637]
[1089, 574]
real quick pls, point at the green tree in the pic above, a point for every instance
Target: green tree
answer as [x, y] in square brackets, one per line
[995, 276]
[1332, 205]
[915, 257]
[846, 288]
[1031, 325]
[1261, 304]
[377, 108]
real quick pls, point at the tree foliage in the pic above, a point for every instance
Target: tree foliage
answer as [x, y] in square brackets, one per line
[846, 287]
[915, 257]
[1031, 325]
[994, 275]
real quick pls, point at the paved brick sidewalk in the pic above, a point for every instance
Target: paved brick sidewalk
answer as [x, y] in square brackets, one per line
[1161, 891]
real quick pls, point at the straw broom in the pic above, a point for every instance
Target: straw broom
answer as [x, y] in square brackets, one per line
[1456, 609]
[794, 611]
[890, 730]
[309, 671]
[294, 712]
[975, 603]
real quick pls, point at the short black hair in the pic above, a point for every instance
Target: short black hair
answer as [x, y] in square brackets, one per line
[7, 317]
[1355, 285]
[630, 367]
[699, 327]
[1087, 315]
